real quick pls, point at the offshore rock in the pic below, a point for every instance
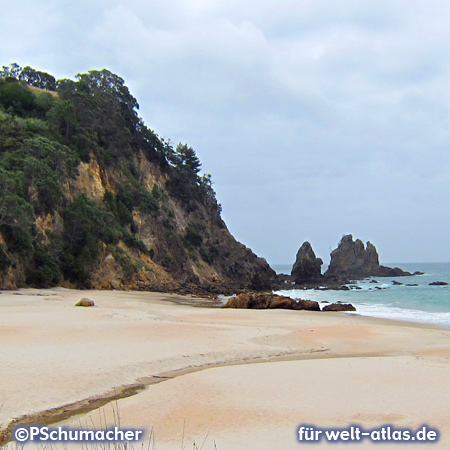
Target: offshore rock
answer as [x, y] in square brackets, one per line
[352, 259]
[307, 266]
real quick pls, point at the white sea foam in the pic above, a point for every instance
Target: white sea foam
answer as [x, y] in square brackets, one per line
[418, 303]
[409, 315]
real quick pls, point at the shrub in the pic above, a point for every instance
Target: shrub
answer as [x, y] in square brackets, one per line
[193, 236]
[4, 260]
[45, 271]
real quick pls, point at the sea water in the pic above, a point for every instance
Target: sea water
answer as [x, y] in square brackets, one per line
[422, 303]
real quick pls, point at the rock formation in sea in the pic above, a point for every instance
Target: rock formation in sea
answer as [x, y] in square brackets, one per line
[352, 259]
[307, 266]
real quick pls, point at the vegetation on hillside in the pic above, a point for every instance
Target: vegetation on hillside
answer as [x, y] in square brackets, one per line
[48, 128]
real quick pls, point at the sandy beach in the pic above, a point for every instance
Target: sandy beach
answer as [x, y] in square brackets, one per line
[226, 379]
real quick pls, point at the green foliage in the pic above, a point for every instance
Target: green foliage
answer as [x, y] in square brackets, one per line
[30, 76]
[124, 214]
[43, 101]
[156, 193]
[4, 260]
[128, 266]
[132, 241]
[85, 226]
[169, 261]
[15, 97]
[110, 201]
[193, 236]
[11, 71]
[16, 214]
[43, 138]
[147, 202]
[18, 240]
[38, 79]
[186, 161]
[206, 255]
[45, 270]
[39, 166]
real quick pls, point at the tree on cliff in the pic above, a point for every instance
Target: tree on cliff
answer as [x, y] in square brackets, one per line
[136, 202]
[186, 161]
[33, 77]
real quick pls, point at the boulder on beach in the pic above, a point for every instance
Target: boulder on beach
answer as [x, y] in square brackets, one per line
[85, 302]
[339, 307]
[253, 300]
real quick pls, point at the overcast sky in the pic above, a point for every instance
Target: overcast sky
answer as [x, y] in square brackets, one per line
[316, 118]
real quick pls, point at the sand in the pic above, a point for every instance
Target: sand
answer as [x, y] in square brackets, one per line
[227, 379]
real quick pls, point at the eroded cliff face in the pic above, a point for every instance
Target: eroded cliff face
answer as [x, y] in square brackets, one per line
[91, 197]
[187, 245]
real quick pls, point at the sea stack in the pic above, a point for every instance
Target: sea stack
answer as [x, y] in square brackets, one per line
[307, 266]
[352, 260]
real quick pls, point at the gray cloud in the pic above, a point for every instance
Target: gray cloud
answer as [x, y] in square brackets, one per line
[314, 118]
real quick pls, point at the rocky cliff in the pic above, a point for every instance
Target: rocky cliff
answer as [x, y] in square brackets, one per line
[90, 197]
[307, 267]
[352, 260]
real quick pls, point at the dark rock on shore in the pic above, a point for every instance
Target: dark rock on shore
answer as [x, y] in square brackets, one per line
[253, 300]
[307, 266]
[339, 307]
[351, 259]
[438, 283]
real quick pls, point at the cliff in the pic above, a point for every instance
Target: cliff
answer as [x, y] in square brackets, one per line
[92, 198]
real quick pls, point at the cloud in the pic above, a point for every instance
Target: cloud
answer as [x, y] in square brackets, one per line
[314, 118]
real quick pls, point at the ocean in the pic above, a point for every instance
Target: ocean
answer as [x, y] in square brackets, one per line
[422, 303]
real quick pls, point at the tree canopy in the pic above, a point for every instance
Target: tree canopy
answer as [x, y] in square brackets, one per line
[43, 138]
